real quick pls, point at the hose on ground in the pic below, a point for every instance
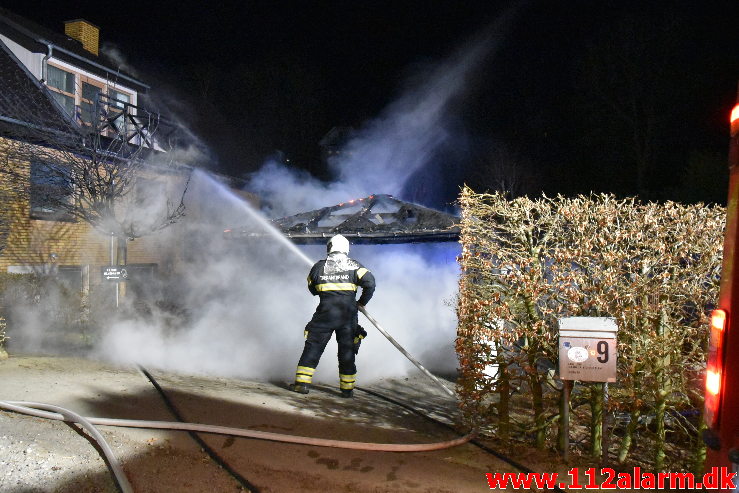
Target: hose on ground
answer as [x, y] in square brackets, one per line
[27, 408]
[50, 411]
[214, 456]
[474, 441]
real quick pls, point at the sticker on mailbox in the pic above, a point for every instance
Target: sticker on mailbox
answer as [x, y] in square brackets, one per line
[577, 354]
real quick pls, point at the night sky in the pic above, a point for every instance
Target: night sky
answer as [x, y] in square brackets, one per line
[628, 97]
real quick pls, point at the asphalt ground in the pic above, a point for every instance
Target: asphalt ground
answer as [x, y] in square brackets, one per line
[39, 455]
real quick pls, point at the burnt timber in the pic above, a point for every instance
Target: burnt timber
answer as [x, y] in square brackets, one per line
[376, 219]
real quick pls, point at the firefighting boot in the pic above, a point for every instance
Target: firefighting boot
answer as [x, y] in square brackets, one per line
[303, 379]
[300, 388]
[346, 384]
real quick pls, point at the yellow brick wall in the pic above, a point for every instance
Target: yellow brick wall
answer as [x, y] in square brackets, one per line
[30, 242]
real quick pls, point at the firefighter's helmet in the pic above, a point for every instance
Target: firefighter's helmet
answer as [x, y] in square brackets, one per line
[338, 244]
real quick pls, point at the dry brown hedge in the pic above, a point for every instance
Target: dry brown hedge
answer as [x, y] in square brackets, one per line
[654, 267]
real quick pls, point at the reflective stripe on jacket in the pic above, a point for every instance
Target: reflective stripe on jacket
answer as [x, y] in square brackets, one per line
[336, 280]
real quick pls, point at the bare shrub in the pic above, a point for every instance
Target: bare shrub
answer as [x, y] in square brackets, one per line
[653, 267]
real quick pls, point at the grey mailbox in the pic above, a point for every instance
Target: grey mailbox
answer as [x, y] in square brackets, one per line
[587, 349]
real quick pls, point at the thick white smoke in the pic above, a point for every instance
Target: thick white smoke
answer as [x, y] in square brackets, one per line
[248, 302]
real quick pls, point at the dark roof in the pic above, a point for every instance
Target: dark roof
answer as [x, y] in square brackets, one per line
[373, 219]
[26, 106]
[33, 37]
[29, 112]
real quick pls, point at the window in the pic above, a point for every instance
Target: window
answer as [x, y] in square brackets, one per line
[62, 87]
[51, 192]
[79, 95]
[142, 281]
[90, 94]
[117, 106]
[70, 276]
[118, 96]
[60, 79]
[67, 102]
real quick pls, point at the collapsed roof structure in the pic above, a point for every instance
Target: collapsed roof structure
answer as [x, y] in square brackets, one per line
[375, 219]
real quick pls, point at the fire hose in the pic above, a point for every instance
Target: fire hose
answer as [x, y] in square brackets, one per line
[48, 411]
[405, 353]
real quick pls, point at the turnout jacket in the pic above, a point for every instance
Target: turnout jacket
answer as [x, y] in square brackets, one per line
[335, 280]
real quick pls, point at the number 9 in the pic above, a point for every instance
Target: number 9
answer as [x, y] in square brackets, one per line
[602, 348]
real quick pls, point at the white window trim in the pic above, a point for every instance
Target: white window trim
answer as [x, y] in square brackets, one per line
[106, 82]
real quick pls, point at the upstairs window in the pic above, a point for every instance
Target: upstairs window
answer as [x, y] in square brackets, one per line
[117, 107]
[51, 192]
[62, 87]
[90, 94]
[121, 97]
[60, 79]
[80, 96]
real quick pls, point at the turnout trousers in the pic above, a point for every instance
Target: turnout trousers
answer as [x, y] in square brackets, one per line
[315, 343]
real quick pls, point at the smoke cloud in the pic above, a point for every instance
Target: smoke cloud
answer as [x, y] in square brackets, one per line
[410, 135]
[247, 301]
[237, 307]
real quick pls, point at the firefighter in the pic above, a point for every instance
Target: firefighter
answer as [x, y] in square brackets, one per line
[335, 281]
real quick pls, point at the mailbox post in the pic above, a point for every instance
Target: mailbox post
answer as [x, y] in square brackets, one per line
[587, 352]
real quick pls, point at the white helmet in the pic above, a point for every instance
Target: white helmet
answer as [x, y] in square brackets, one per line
[338, 244]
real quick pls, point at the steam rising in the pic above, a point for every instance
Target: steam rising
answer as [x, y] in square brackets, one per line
[248, 301]
[238, 307]
[381, 157]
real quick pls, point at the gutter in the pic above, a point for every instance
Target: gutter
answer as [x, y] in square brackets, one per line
[21, 123]
[51, 46]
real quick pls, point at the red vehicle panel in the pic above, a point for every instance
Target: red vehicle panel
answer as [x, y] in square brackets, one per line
[722, 372]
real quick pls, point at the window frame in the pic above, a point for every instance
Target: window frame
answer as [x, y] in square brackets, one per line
[44, 198]
[62, 92]
[105, 87]
[92, 102]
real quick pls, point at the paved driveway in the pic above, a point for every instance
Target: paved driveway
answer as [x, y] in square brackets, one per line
[38, 455]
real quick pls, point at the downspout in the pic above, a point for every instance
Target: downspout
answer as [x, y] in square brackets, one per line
[45, 61]
[50, 46]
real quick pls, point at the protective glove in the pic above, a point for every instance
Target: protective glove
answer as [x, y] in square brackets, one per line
[359, 334]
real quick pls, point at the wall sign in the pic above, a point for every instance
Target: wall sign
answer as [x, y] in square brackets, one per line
[115, 273]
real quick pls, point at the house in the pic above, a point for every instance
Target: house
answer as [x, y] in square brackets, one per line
[69, 117]
[71, 68]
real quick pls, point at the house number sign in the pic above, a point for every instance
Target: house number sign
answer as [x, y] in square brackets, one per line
[587, 349]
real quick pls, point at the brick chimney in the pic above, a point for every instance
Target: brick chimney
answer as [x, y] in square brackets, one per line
[84, 32]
